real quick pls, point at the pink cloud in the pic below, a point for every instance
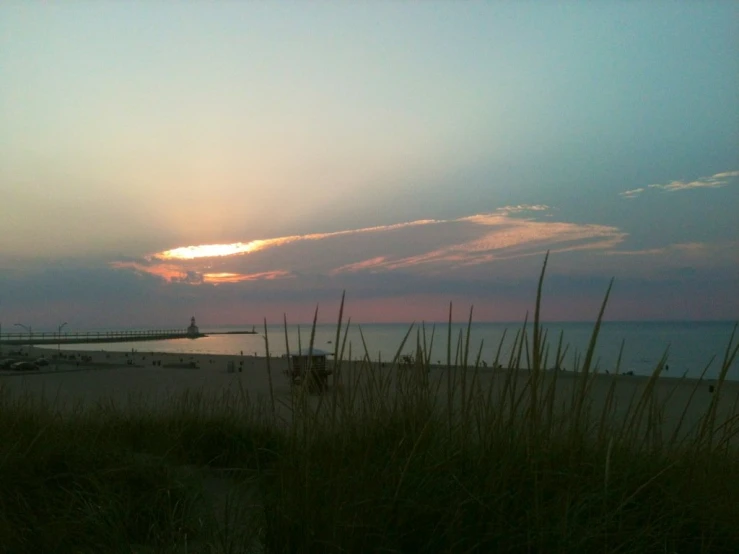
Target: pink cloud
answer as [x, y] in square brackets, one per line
[435, 245]
[514, 238]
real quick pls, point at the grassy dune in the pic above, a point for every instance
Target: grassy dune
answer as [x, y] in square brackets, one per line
[391, 459]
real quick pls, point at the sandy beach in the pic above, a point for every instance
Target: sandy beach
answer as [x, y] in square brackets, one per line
[126, 377]
[120, 376]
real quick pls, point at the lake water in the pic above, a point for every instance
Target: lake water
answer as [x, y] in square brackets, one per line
[691, 344]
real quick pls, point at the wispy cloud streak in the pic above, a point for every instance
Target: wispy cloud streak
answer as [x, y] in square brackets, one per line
[218, 278]
[633, 193]
[513, 239]
[178, 274]
[685, 248]
[238, 248]
[714, 181]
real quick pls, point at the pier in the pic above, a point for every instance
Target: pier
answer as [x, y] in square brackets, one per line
[90, 337]
[31, 338]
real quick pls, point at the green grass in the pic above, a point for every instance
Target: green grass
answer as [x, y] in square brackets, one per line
[388, 460]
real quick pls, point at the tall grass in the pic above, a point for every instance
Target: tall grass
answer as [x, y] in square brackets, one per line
[393, 458]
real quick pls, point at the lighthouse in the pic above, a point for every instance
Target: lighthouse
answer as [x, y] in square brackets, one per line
[193, 331]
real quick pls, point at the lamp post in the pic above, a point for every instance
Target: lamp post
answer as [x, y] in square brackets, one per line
[30, 334]
[59, 343]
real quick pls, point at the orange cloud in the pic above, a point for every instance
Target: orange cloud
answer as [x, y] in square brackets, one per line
[168, 272]
[177, 274]
[237, 248]
[218, 278]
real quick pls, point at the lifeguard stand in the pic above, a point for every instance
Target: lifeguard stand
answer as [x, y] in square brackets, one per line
[301, 364]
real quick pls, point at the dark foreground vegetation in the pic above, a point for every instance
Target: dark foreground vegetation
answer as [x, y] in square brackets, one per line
[364, 469]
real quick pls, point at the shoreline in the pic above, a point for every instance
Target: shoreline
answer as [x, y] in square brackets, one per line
[153, 371]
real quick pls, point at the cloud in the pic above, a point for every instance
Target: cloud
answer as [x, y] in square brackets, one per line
[510, 238]
[633, 193]
[686, 248]
[427, 245]
[190, 277]
[523, 208]
[726, 175]
[371, 263]
[168, 272]
[694, 247]
[714, 181]
[655, 262]
[217, 278]
[178, 274]
[220, 250]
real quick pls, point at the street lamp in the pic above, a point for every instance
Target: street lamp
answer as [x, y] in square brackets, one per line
[30, 334]
[59, 342]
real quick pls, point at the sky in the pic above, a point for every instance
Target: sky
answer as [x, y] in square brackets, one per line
[243, 160]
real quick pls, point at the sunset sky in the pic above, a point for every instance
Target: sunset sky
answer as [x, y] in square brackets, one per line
[241, 160]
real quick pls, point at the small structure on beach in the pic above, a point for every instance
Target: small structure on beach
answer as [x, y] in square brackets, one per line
[313, 368]
[192, 331]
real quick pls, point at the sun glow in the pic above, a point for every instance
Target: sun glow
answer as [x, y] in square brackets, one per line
[212, 250]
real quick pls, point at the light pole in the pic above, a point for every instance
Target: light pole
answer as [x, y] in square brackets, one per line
[30, 334]
[59, 343]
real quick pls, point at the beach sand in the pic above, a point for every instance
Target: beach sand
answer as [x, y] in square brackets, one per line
[120, 376]
[158, 376]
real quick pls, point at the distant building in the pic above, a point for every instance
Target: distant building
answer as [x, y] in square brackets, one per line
[192, 330]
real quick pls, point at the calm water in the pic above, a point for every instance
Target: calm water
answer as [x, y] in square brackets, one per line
[691, 345]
